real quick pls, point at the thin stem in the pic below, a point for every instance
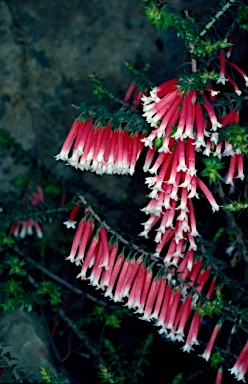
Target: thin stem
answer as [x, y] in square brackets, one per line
[192, 47]
[63, 282]
[216, 17]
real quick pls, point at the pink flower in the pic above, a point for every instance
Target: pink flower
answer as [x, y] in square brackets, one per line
[222, 78]
[70, 223]
[101, 149]
[219, 376]
[209, 347]
[240, 367]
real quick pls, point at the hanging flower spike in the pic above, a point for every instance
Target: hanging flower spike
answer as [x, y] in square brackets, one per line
[222, 79]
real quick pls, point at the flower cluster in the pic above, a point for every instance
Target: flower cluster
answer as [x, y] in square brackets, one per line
[183, 123]
[101, 149]
[152, 291]
[23, 227]
[159, 295]
[163, 287]
[241, 366]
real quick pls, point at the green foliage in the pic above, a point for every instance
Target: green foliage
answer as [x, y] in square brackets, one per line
[212, 307]
[119, 369]
[119, 119]
[236, 206]
[216, 359]
[100, 88]
[48, 377]
[236, 135]
[8, 366]
[140, 76]
[16, 266]
[242, 17]
[110, 318]
[177, 379]
[213, 165]
[53, 291]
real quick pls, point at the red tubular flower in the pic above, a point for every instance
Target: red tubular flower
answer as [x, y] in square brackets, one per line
[219, 376]
[221, 79]
[122, 280]
[96, 271]
[240, 367]
[64, 152]
[164, 309]
[209, 347]
[85, 236]
[105, 248]
[107, 272]
[180, 323]
[134, 271]
[242, 73]
[151, 299]
[89, 257]
[70, 223]
[114, 275]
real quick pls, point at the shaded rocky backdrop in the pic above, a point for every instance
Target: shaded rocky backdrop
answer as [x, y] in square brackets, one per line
[47, 50]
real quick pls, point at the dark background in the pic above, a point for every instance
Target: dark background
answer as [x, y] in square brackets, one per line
[47, 49]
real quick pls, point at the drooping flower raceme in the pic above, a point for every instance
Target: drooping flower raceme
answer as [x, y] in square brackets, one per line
[183, 123]
[101, 149]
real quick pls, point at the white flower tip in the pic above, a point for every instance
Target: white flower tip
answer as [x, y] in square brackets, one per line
[215, 207]
[221, 79]
[205, 356]
[104, 265]
[70, 224]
